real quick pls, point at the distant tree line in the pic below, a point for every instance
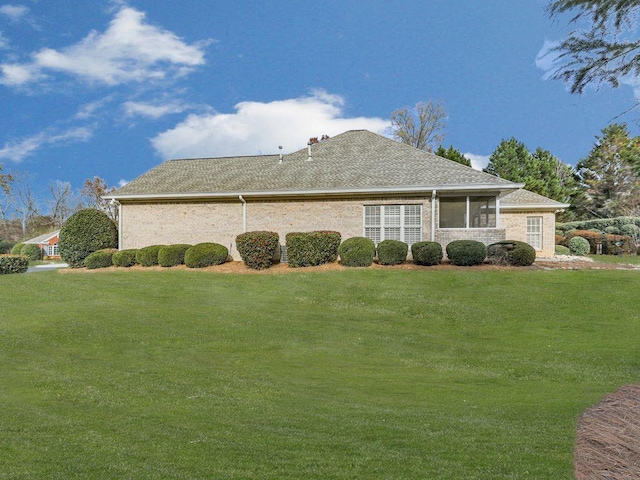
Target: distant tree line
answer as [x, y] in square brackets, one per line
[23, 215]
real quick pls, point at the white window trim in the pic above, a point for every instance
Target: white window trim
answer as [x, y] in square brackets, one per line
[540, 234]
[467, 215]
[402, 226]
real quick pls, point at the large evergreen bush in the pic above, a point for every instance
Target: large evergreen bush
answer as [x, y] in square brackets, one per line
[426, 253]
[357, 252]
[85, 232]
[392, 252]
[205, 255]
[258, 249]
[305, 249]
[466, 253]
[17, 248]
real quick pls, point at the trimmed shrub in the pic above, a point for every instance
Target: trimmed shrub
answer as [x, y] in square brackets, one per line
[258, 249]
[511, 252]
[392, 252]
[172, 255]
[100, 259]
[427, 253]
[306, 249]
[85, 232]
[562, 250]
[5, 246]
[31, 251]
[613, 230]
[630, 229]
[610, 244]
[148, 256]
[205, 255]
[579, 246]
[357, 252]
[13, 264]
[466, 253]
[17, 248]
[125, 258]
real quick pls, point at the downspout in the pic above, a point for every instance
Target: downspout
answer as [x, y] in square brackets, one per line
[433, 216]
[115, 202]
[244, 213]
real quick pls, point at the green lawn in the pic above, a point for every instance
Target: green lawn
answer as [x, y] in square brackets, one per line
[630, 259]
[359, 374]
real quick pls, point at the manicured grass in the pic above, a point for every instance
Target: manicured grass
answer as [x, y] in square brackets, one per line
[355, 374]
[630, 259]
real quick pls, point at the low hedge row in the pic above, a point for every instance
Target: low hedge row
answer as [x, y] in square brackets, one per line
[599, 224]
[124, 258]
[427, 253]
[100, 259]
[205, 255]
[466, 253]
[511, 252]
[610, 244]
[13, 264]
[307, 249]
[357, 252]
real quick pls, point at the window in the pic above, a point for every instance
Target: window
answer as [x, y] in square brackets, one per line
[468, 212]
[534, 232]
[393, 222]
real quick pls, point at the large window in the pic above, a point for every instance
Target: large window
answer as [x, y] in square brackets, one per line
[534, 232]
[468, 212]
[393, 222]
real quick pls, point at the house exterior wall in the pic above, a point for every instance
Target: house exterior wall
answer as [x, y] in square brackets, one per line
[144, 224]
[515, 223]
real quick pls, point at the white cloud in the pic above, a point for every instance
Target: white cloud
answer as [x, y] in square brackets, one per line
[18, 151]
[477, 161]
[257, 127]
[122, 182]
[547, 58]
[14, 12]
[130, 50]
[154, 111]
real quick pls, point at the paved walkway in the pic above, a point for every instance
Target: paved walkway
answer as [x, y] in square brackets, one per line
[44, 268]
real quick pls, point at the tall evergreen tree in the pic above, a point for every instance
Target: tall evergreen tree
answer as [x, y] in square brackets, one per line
[453, 154]
[609, 174]
[540, 171]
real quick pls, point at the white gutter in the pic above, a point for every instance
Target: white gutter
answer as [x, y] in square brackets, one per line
[535, 206]
[331, 191]
[244, 213]
[433, 215]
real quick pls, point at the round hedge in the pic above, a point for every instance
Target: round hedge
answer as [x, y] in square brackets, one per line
[172, 255]
[31, 251]
[17, 248]
[205, 255]
[357, 252]
[511, 252]
[630, 229]
[562, 250]
[466, 253]
[148, 256]
[258, 249]
[392, 252]
[100, 259]
[426, 253]
[579, 246]
[125, 258]
[306, 249]
[85, 232]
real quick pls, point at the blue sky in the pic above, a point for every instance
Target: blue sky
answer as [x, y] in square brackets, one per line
[112, 88]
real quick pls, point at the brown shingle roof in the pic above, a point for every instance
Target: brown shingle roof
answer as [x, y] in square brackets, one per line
[357, 160]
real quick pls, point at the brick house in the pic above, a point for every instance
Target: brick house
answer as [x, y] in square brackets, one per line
[47, 242]
[357, 183]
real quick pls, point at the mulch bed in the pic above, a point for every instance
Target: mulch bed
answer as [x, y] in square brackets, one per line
[608, 439]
